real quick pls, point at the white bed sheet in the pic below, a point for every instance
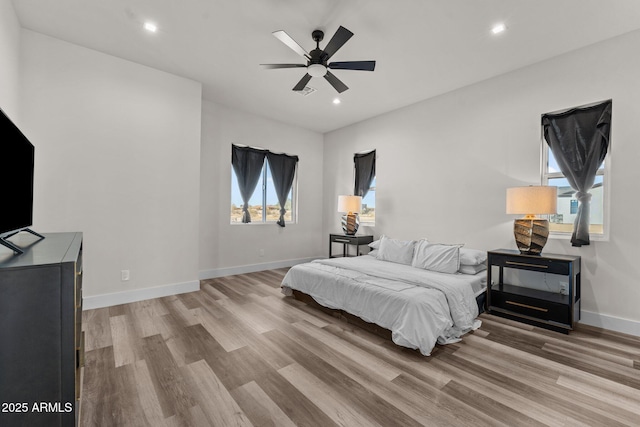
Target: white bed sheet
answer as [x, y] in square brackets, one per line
[419, 307]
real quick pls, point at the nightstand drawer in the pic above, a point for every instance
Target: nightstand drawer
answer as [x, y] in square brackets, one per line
[532, 307]
[350, 240]
[543, 265]
[344, 239]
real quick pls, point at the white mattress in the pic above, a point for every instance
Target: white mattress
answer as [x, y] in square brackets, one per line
[420, 307]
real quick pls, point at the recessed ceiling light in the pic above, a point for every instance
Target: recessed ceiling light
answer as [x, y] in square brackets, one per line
[336, 101]
[498, 28]
[151, 27]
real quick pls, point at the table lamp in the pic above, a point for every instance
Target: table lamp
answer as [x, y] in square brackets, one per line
[531, 232]
[351, 207]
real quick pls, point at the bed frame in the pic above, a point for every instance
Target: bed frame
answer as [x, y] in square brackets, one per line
[343, 315]
[355, 320]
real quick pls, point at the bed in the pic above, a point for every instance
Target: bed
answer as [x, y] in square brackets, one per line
[420, 307]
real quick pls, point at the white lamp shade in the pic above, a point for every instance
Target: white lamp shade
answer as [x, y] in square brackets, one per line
[532, 200]
[349, 204]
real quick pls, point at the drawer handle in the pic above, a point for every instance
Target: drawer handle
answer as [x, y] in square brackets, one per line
[527, 306]
[527, 265]
[341, 240]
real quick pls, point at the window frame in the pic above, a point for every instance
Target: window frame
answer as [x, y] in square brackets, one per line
[353, 179]
[263, 186]
[605, 172]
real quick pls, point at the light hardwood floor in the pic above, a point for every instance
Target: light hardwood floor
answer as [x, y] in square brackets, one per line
[239, 353]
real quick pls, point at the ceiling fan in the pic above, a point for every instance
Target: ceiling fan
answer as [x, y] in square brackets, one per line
[317, 60]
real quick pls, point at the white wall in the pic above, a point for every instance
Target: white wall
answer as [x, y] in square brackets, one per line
[444, 165]
[118, 158]
[9, 61]
[228, 249]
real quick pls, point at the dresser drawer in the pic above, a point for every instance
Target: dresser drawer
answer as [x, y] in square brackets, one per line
[542, 265]
[533, 307]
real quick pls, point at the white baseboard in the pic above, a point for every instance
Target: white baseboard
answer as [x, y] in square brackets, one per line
[117, 298]
[625, 326]
[242, 269]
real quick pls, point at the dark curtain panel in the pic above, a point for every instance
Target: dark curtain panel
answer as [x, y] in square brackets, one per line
[247, 163]
[283, 169]
[579, 139]
[365, 172]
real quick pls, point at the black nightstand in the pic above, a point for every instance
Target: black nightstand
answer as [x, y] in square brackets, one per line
[345, 240]
[557, 311]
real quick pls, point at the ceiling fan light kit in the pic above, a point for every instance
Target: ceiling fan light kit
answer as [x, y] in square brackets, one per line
[318, 64]
[316, 70]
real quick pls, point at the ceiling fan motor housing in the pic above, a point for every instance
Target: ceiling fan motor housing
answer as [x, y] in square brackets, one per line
[317, 63]
[317, 56]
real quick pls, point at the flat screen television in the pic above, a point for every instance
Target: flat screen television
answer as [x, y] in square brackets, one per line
[16, 182]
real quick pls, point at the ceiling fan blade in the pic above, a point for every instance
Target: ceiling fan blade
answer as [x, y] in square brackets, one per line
[353, 65]
[274, 66]
[335, 82]
[302, 83]
[339, 38]
[286, 39]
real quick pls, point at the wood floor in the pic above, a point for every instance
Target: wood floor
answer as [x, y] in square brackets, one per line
[239, 353]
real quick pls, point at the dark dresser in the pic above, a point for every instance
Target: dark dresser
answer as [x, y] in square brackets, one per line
[41, 341]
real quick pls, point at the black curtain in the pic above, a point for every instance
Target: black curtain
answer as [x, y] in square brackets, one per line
[247, 163]
[365, 172]
[283, 169]
[579, 140]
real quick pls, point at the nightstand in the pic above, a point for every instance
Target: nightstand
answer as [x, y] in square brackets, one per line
[346, 241]
[558, 311]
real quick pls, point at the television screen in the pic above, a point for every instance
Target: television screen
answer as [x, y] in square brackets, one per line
[16, 178]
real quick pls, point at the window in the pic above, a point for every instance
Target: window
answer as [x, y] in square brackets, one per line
[364, 171]
[561, 223]
[263, 204]
[368, 214]
[575, 157]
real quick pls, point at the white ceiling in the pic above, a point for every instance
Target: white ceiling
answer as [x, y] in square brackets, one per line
[423, 48]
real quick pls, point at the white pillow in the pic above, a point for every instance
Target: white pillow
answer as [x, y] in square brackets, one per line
[375, 244]
[436, 257]
[373, 252]
[472, 269]
[394, 250]
[472, 256]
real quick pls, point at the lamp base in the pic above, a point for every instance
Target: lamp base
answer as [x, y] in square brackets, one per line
[350, 223]
[531, 235]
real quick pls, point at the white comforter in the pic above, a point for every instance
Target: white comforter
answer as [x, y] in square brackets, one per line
[419, 307]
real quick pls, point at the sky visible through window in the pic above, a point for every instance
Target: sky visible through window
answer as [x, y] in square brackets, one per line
[256, 198]
[368, 213]
[370, 199]
[255, 202]
[563, 220]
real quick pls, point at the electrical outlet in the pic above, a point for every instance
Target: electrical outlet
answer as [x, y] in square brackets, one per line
[261, 252]
[564, 288]
[124, 275]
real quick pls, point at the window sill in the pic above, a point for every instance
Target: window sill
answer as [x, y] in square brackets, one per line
[261, 223]
[567, 236]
